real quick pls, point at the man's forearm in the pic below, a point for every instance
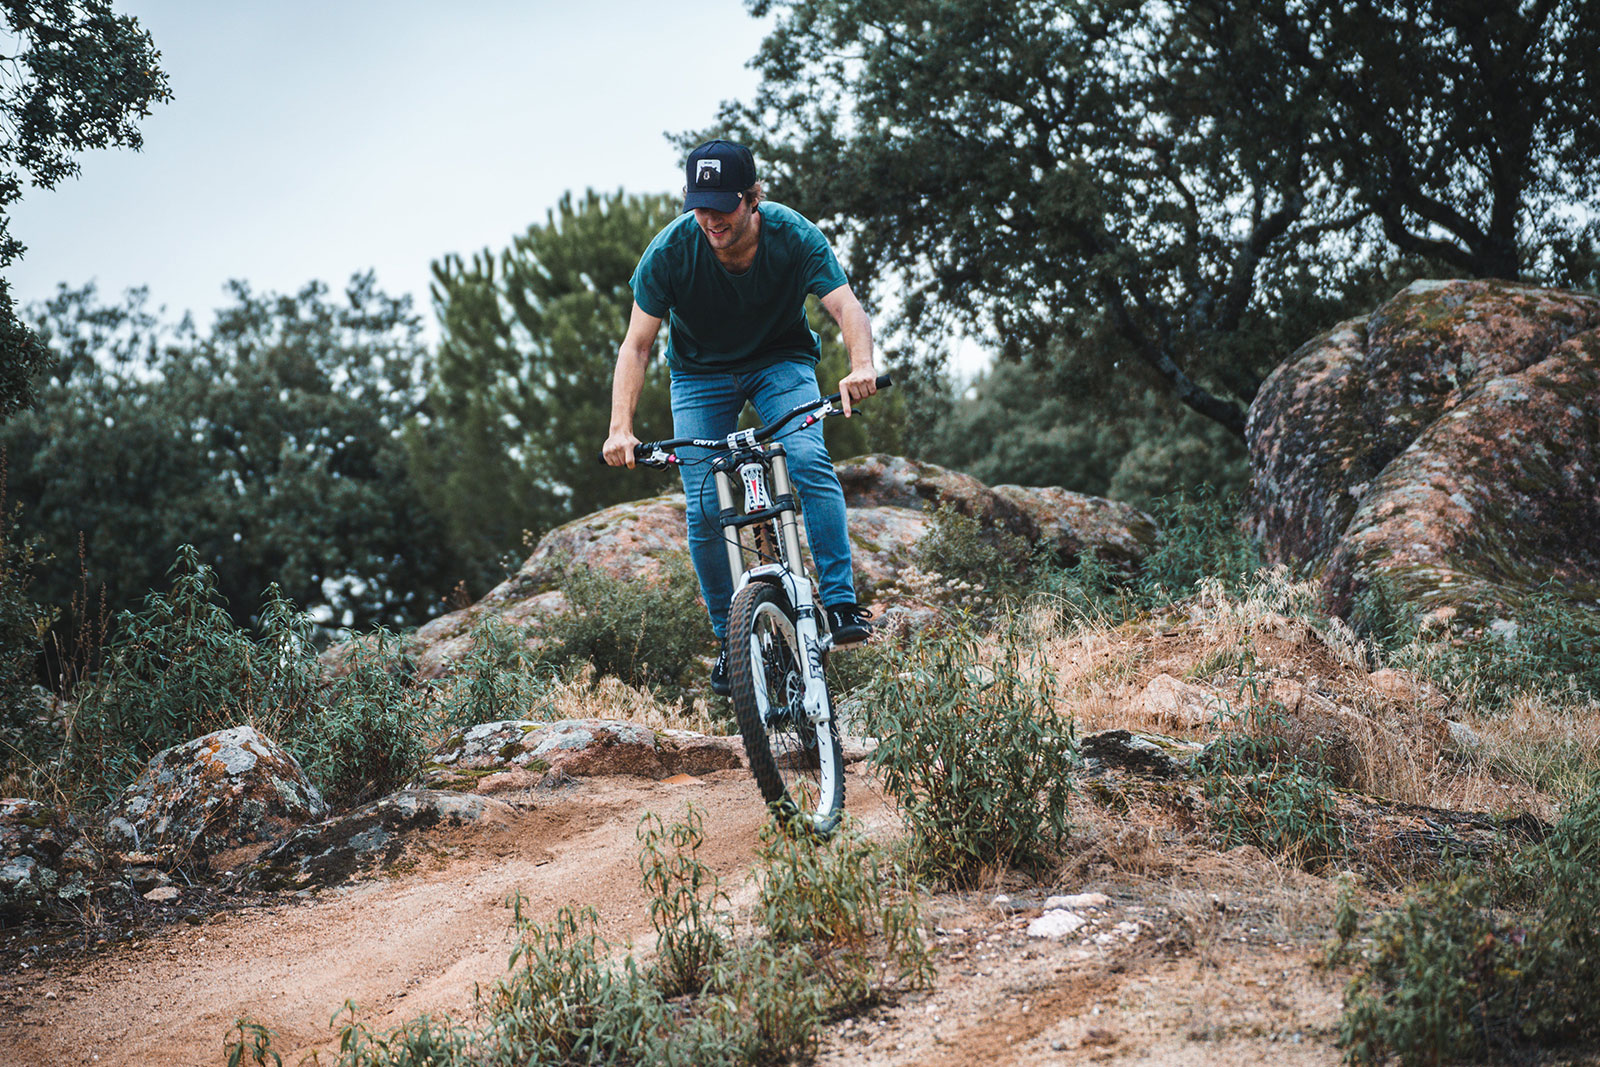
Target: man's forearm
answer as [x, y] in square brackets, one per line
[856, 332]
[626, 385]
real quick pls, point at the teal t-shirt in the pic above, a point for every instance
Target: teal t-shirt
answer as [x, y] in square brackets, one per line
[720, 322]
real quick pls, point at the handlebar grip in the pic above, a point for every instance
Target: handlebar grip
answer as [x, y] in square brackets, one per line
[883, 381]
[602, 457]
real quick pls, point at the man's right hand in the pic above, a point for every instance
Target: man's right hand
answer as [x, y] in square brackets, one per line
[619, 448]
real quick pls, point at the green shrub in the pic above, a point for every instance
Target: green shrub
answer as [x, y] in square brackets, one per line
[647, 634]
[1552, 646]
[854, 909]
[981, 567]
[1261, 793]
[687, 906]
[1201, 537]
[1487, 964]
[179, 668]
[499, 677]
[24, 738]
[972, 748]
[367, 734]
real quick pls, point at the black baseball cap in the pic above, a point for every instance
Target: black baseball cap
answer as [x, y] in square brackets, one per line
[715, 174]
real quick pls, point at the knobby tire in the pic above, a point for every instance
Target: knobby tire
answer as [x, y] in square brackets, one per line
[798, 766]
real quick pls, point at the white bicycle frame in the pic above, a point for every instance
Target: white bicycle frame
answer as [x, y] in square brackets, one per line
[789, 572]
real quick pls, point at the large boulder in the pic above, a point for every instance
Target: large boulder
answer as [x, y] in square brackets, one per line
[45, 863]
[1446, 445]
[892, 503]
[228, 788]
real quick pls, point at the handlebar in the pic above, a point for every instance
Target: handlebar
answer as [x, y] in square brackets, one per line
[659, 453]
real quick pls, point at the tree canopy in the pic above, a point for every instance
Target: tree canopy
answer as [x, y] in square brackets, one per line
[520, 390]
[1198, 182]
[271, 443]
[80, 77]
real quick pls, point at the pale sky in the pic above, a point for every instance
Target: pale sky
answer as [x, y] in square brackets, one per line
[311, 140]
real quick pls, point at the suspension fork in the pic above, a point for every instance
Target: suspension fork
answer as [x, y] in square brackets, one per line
[814, 638]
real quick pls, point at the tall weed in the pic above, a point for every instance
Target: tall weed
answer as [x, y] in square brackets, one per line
[647, 634]
[1487, 964]
[973, 749]
[687, 906]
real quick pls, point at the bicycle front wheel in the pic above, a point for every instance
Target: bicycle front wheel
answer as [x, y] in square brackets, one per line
[796, 763]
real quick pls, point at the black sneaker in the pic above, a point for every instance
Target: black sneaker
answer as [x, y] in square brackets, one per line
[719, 673]
[849, 623]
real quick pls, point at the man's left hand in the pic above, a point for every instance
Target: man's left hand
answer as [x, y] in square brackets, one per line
[857, 385]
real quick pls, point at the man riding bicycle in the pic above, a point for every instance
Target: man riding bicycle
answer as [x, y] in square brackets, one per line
[733, 272]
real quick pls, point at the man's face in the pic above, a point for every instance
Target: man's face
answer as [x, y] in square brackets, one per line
[724, 229]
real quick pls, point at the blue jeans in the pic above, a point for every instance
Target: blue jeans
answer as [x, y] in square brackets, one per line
[708, 406]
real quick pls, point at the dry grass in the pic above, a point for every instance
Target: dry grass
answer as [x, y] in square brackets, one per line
[1383, 735]
[583, 697]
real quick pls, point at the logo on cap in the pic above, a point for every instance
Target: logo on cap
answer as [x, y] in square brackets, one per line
[708, 172]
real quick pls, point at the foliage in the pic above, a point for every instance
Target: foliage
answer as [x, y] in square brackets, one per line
[972, 748]
[251, 1039]
[756, 1001]
[180, 668]
[22, 630]
[1201, 537]
[519, 392]
[1487, 965]
[79, 76]
[1054, 425]
[691, 931]
[1501, 184]
[499, 677]
[1179, 193]
[1261, 793]
[1550, 643]
[854, 910]
[270, 443]
[986, 562]
[366, 733]
[645, 633]
[1116, 213]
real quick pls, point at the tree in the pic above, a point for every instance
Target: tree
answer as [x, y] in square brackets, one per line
[520, 391]
[1185, 179]
[80, 77]
[272, 443]
[1470, 130]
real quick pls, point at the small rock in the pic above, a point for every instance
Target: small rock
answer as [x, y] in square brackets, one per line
[1077, 900]
[163, 894]
[1463, 737]
[1056, 923]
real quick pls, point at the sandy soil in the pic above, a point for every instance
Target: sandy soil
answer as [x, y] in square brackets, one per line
[1195, 959]
[398, 945]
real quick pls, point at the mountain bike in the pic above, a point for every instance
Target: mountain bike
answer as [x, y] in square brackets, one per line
[778, 634]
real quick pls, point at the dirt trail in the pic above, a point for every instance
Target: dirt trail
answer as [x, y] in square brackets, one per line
[398, 946]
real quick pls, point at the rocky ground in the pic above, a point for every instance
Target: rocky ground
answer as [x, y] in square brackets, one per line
[1189, 954]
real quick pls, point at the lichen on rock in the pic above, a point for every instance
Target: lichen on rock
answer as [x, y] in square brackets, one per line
[231, 787]
[1445, 448]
